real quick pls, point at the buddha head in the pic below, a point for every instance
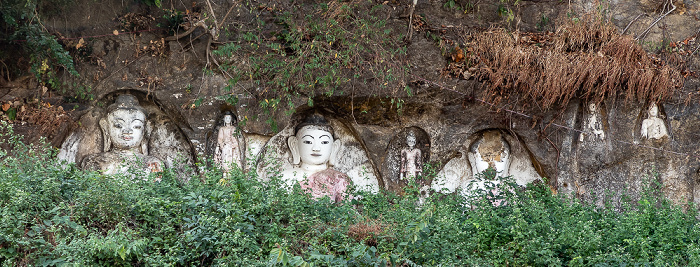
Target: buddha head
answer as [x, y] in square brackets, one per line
[313, 144]
[490, 151]
[124, 126]
[592, 108]
[653, 110]
[229, 119]
[411, 139]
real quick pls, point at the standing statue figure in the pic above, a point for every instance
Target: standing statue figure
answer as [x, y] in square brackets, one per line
[314, 148]
[125, 147]
[654, 127]
[228, 150]
[594, 124]
[411, 158]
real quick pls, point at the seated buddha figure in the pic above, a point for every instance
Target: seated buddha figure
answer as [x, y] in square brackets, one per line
[312, 147]
[124, 146]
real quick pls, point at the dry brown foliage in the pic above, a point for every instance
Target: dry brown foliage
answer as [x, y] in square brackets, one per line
[49, 118]
[584, 58]
[367, 231]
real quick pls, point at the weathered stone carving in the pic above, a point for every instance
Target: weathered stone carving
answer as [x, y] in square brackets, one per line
[98, 144]
[490, 151]
[313, 146]
[486, 149]
[229, 150]
[123, 131]
[411, 158]
[654, 127]
[593, 125]
[406, 154]
[320, 148]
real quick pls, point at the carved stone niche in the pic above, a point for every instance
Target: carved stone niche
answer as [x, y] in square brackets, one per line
[340, 152]
[127, 131]
[407, 153]
[494, 148]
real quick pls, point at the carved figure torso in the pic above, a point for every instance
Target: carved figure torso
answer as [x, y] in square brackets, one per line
[411, 162]
[328, 182]
[118, 162]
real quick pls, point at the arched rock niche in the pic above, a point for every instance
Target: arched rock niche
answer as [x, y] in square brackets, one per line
[393, 160]
[351, 158]
[459, 172]
[165, 140]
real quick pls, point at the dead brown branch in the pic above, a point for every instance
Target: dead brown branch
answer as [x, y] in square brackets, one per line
[587, 59]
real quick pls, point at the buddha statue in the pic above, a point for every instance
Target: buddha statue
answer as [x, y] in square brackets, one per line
[124, 145]
[411, 158]
[594, 125]
[228, 152]
[490, 151]
[313, 148]
[654, 127]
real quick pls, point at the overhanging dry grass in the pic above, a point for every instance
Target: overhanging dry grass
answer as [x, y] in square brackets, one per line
[585, 58]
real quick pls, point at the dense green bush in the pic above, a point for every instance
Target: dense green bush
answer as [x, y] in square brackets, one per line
[56, 215]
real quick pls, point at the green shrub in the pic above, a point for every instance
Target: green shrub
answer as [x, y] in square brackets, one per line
[58, 215]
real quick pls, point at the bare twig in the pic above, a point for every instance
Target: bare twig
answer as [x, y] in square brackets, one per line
[188, 32]
[410, 20]
[630, 24]
[215, 31]
[645, 32]
[221, 23]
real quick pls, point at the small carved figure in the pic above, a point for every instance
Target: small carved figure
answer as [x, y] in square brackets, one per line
[313, 148]
[654, 127]
[228, 150]
[411, 158]
[123, 131]
[593, 124]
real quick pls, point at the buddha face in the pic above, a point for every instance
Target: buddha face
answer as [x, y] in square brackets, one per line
[498, 163]
[411, 141]
[653, 110]
[126, 127]
[315, 145]
[227, 119]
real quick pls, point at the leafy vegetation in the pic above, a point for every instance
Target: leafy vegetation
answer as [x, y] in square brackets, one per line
[22, 23]
[316, 50]
[57, 215]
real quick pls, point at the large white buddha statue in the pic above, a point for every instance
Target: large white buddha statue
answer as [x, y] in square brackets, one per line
[125, 148]
[313, 148]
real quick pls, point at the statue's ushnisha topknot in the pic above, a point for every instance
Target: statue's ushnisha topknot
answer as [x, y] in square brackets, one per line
[126, 101]
[316, 120]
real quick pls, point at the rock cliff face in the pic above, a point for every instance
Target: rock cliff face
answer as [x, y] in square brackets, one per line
[594, 152]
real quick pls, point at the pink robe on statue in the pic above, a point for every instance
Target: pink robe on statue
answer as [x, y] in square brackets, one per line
[328, 182]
